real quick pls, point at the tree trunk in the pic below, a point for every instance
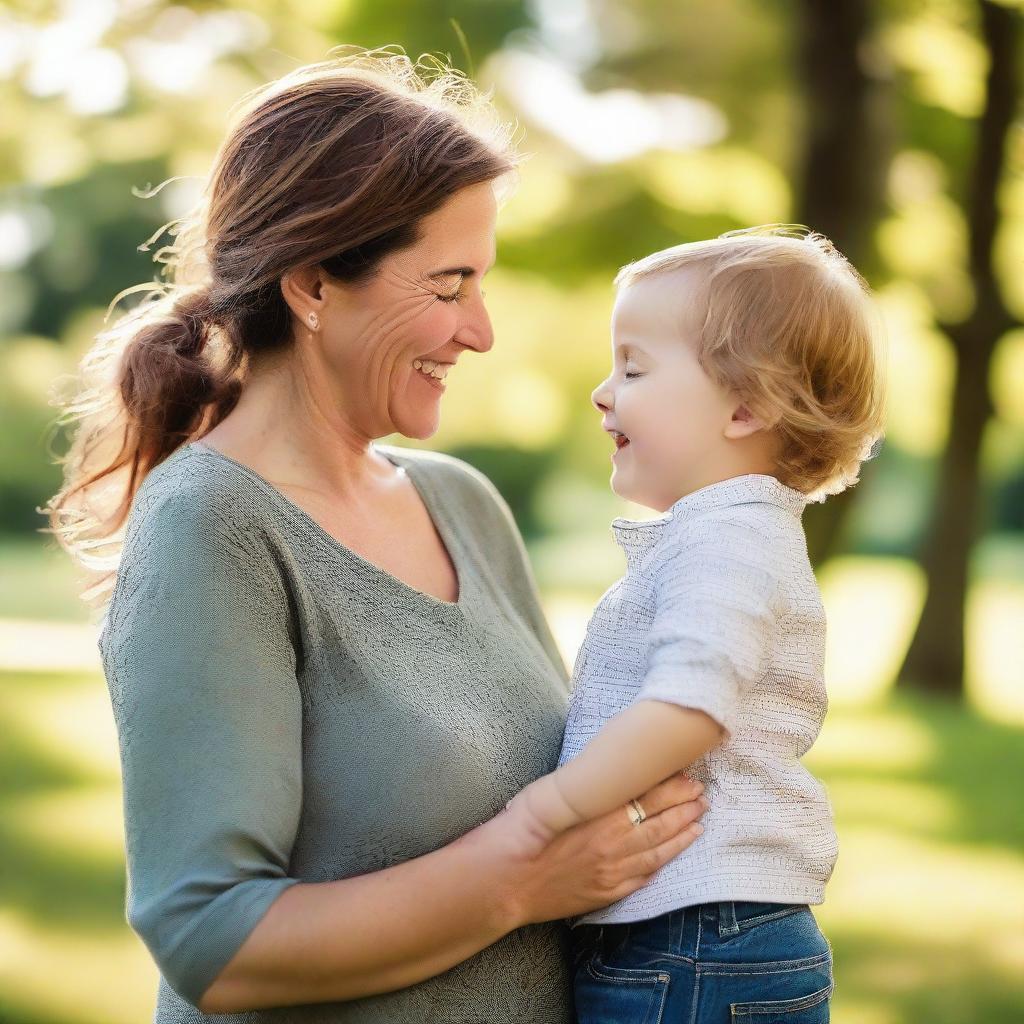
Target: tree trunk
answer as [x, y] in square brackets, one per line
[842, 179]
[935, 661]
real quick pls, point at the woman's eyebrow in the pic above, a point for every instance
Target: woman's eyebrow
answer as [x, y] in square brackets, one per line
[452, 271]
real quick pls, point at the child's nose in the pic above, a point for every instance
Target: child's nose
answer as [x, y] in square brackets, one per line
[601, 396]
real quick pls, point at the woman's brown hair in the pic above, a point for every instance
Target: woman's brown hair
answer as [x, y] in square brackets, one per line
[334, 164]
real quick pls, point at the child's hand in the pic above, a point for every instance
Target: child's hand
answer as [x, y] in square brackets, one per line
[527, 833]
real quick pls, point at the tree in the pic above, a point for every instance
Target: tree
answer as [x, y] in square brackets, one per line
[935, 661]
[842, 177]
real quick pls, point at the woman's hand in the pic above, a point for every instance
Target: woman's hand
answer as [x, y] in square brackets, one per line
[596, 863]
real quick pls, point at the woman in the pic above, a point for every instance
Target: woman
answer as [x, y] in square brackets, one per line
[327, 660]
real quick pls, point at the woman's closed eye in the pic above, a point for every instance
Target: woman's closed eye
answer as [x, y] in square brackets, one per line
[458, 295]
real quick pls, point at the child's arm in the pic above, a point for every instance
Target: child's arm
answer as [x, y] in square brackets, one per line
[710, 639]
[638, 748]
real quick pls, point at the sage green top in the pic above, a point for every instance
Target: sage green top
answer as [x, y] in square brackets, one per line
[289, 712]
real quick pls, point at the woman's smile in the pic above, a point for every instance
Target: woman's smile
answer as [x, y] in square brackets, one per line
[432, 372]
[434, 383]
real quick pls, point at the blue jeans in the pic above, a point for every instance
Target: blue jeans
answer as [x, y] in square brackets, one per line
[760, 963]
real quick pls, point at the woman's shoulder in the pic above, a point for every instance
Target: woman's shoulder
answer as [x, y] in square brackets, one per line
[195, 497]
[197, 517]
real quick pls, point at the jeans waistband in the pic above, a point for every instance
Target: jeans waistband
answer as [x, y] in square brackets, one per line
[666, 931]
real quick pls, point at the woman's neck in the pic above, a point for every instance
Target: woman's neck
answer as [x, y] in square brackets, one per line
[286, 431]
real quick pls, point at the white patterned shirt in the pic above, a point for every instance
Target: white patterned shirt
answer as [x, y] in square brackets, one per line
[719, 611]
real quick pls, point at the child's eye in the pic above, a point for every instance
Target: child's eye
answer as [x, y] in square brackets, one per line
[631, 373]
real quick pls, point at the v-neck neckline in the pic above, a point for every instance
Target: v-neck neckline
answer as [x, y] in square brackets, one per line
[448, 537]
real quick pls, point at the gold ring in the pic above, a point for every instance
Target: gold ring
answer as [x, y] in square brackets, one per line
[636, 812]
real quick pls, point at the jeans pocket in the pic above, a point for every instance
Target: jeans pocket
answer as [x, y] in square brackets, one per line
[788, 934]
[619, 995]
[767, 913]
[809, 1009]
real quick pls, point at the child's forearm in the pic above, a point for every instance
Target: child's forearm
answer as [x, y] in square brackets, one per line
[635, 750]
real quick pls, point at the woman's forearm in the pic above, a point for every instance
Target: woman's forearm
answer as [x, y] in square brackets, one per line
[638, 747]
[333, 941]
[387, 930]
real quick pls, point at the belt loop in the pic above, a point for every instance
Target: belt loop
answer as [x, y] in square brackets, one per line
[727, 919]
[680, 933]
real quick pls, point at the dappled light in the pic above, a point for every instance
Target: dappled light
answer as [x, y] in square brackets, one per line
[642, 126]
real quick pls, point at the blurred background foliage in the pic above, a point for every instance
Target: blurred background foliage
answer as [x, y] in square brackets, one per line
[891, 125]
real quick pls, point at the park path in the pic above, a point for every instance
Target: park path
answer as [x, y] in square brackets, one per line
[36, 645]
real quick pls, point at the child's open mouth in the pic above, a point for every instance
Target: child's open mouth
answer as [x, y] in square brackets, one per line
[620, 440]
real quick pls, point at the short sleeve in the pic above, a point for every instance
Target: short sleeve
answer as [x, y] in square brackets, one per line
[202, 675]
[715, 605]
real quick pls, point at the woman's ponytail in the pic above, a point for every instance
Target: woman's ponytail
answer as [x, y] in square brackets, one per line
[166, 378]
[164, 374]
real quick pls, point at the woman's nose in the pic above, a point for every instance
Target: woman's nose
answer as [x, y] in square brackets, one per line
[476, 332]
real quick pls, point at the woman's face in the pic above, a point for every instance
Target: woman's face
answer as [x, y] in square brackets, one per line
[389, 342]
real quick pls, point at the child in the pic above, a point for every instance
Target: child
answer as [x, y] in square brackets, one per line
[745, 383]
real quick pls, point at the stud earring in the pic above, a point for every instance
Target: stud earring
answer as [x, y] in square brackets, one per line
[314, 321]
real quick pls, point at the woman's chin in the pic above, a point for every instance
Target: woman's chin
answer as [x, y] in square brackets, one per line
[416, 411]
[418, 424]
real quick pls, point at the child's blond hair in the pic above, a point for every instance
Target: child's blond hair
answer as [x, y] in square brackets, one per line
[787, 323]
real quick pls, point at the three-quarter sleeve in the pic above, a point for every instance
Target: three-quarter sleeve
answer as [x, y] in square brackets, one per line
[201, 668]
[715, 603]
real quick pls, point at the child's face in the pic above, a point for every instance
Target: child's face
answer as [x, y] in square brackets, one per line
[681, 426]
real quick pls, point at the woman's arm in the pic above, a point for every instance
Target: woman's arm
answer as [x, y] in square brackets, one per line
[390, 929]
[361, 936]
[202, 671]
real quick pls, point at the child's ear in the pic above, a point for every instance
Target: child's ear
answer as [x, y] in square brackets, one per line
[745, 422]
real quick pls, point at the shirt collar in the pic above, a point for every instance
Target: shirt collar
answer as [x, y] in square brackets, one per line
[638, 536]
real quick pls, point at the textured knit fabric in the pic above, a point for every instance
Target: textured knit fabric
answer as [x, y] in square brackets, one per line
[289, 712]
[719, 611]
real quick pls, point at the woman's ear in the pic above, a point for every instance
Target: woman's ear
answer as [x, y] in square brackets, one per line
[745, 422]
[302, 289]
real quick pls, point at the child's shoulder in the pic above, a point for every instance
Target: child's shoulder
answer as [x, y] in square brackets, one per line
[751, 522]
[756, 544]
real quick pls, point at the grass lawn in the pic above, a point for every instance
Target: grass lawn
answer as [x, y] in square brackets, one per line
[66, 953]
